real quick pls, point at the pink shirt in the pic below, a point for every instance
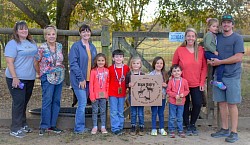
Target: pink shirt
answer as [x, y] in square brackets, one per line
[99, 83]
[174, 86]
[193, 71]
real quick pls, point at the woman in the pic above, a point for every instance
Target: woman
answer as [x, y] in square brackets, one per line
[20, 76]
[191, 58]
[50, 58]
[81, 58]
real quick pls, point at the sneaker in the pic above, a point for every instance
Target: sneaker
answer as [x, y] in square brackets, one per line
[194, 130]
[42, 131]
[118, 132]
[154, 132]
[221, 133]
[55, 130]
[163, 132]
[94, 130]
[189, 130]
[220, 85]
[233, 137]
[104, 131]
[27, 129]
[18, 134]
[132, 130]
[141, 131]
[172, 134]
[181, 134]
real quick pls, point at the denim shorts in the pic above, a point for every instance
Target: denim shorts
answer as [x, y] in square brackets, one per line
[232, 94]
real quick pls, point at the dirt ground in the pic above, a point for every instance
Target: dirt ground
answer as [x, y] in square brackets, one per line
[67, 137]
[70, 138]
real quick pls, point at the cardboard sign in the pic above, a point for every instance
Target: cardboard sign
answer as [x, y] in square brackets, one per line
[176, 36]
[147, 90]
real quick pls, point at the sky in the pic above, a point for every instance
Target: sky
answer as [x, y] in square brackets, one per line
[150, 10]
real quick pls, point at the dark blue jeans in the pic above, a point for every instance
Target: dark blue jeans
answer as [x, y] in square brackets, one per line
[219, 69]
[136, 111]
[51, 98]
[160, 111]
[196, 96]
[175, 115]
[20, 99]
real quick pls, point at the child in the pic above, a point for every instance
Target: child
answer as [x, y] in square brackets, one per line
[159, 69]
[135, 69]
[210, 43]
[98, 88]
[177, 91]
[117, 91]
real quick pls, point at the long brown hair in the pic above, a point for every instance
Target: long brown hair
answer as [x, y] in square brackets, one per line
[184, 43]
[96, 58]
[163, 70]
[19, 26]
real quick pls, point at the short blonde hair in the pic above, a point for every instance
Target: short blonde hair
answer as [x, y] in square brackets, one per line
[133, 59]
[48, 28]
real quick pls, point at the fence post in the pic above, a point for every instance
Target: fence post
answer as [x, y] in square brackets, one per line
[105, 40]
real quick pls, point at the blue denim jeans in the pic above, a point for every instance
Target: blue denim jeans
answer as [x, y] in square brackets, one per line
[219, 69]
[160, 111]
[175, 114]
[102, 105]
[136, 111]
[80, 110]
[116, 113]
[51, 97]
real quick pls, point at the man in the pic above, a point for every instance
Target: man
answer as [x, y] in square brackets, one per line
[231, 49]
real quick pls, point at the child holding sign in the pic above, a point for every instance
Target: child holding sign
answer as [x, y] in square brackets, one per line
[136, 111]
[98, 88]
[177, 90]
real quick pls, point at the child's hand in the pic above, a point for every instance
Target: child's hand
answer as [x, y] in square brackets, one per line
[164, 84]
[93, 101]
[131, 84]
[216, 53]
[181, 95]
[177, 97]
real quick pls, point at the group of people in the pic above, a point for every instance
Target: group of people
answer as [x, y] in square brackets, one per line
[91, 77]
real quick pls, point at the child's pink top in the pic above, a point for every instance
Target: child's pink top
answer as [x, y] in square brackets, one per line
[175, 86]
[99, 82]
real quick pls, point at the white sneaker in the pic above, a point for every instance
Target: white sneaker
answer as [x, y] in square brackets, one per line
[163, 132]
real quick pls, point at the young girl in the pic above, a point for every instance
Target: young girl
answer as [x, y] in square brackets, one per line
[210, 43]
[98, 88]
[159, 69]
[177, 91]
[135, 69]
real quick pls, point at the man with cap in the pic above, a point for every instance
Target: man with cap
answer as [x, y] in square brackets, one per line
[230, 46]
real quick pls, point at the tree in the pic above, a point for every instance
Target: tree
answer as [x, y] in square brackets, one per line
[43, 13]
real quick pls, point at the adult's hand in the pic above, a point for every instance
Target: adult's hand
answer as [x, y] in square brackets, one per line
[82, 84]
[15, 82]
[202, 88]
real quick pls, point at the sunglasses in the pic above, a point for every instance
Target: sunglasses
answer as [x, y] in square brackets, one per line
[227, 17]
[50, 26]
[20, 22]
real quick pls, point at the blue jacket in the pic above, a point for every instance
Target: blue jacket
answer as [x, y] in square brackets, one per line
[78, 61]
